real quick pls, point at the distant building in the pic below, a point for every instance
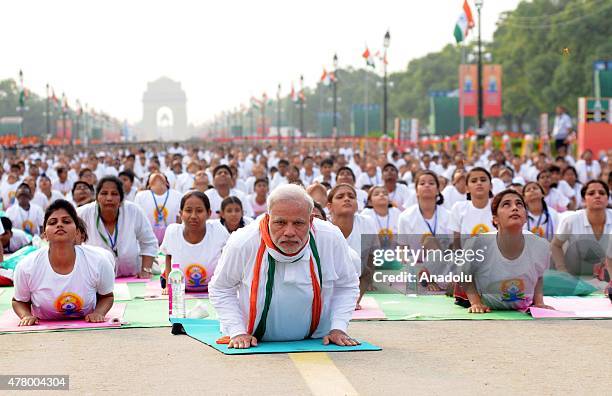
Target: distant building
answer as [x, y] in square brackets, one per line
[164, 111]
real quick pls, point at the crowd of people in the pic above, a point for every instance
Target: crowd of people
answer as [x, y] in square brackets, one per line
[107, 212]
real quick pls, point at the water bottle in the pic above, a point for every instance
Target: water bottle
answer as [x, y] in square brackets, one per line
[176, 292]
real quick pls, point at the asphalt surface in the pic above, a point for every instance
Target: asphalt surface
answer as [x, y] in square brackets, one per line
[445, 357]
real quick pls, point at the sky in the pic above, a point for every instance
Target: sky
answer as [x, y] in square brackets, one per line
[223, 52]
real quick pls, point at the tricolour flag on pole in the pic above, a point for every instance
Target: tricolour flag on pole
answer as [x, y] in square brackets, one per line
[464, 24]
[369, 58]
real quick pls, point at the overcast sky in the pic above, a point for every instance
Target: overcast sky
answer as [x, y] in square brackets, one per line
[223, 52]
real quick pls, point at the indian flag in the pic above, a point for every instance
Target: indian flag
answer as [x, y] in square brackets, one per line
[465, 23]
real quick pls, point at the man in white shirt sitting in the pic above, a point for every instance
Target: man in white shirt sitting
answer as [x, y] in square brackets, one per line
[285, 277]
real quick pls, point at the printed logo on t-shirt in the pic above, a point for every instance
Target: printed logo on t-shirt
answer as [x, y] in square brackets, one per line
[28, 227]
[425, 236]
[160, 217]
[69, 304]
[479, 229]
[196, 276]
[11, 196]
[513, 290]
[538, 230]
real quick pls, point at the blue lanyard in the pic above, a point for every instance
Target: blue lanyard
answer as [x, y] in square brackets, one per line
[112, 241]
[160, 211]
[433, 231]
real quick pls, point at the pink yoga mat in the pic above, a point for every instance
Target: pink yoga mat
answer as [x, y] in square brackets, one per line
[9, 322]
[574, 307]
[131, 279]
[153, 292]
[369, 310]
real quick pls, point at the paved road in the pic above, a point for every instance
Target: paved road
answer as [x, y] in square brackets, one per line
[450, 357]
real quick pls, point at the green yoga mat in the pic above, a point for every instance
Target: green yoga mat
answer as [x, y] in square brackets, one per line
[400, 307]
[207, 331]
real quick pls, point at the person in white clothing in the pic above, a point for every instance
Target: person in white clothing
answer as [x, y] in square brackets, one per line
[25, 215]
[195, 244]
[63, 280]
[231, 216]
[8, 188]
[222, 179]
[553, 197]
[12, 239]
[400, 195]
[62, 184]
[585, 233]
[345, 175]
[127, 177]
[386, 216]
[562, 127]
[357, 229]
[456, 191]
[45, 196]
[304, 264]
[541, 220]
[280, 177]
[160, 204]
[121, 227]
[510, 277]
[473, 216]
[587, 168]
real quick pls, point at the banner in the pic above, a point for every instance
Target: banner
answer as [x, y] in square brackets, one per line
[468, 90]
[414, 130]
[492, 92]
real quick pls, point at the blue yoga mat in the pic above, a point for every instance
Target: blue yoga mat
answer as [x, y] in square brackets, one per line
[207, 331]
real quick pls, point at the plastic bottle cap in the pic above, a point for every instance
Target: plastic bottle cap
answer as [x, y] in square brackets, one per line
[176, 266]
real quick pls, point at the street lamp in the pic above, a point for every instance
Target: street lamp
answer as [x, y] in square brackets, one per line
[278, 115]
[386, 41]
[335, 90]
[301, 100]
[479, 4]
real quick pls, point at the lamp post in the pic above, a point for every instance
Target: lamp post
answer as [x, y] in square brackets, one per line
[47, 115]
[335, 92]
[386, 41]
[64, 114]
[478, 4]
[301, 99]
[278, 114]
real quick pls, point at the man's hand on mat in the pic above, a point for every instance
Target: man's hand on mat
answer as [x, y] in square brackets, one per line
[339, 337]
[94, 317]
[28, 320]
[242, 341]
[433, 286]
[479, 308]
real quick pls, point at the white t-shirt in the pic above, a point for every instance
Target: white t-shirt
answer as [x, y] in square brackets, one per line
[556, 200]
[215, 202]
[469, 220]
[277, 180]
[41, 199]
[451, 196]
[184, 182]
[562, 126]
[541, 225]
[8, 192]
[384, 224]
[413, 227]
[366, 180]
[504, 283]
[581, 243]
[587, 172]
[18, 240]
[29, 221]
[198, 261]
[565, 188]
[362, 226]
[162, 210]
[55, 296]
[64, 187]
[402, 196]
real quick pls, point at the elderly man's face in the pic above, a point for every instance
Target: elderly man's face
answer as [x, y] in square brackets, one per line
[289, 225]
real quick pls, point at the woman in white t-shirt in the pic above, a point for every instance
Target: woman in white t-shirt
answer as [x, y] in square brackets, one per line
[541, 220]
[347, 176]
[586, 232]
[160, 203]
[456, 191]
[63, 280]
[195, 244]
[426, 224]
[472, 217]
[508, 273]
[570, 178]
[259, 197]
[356, 228]
[386, 216]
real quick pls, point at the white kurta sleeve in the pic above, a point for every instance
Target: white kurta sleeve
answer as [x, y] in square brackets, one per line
[144, 234]
[346, 287]
[223, 290]
[21, 283]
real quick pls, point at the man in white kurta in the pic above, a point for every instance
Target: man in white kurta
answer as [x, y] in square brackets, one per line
[284, 240]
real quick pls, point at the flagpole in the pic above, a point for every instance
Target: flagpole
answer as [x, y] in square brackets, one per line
[21, 104]
[301, 96]
[461, 102]
[278, 115]
[48, 116]
[367, 106]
